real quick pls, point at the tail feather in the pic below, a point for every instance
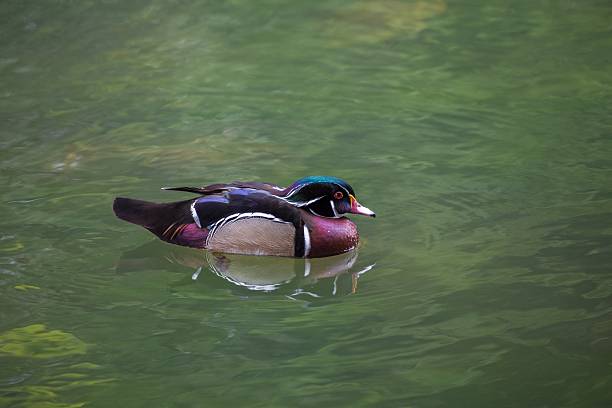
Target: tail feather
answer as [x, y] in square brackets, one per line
[137, 212]
[153, 216]
[171, 222]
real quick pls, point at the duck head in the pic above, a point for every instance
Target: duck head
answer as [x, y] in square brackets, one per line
[325, 196]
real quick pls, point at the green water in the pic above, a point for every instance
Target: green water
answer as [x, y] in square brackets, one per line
[479, 131]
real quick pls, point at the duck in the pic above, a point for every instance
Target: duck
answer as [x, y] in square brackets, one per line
[304, 220]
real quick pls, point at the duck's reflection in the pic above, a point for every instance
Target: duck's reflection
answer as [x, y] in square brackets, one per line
[295, 277]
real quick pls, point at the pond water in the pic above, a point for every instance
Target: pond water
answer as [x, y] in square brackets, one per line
[479, 131]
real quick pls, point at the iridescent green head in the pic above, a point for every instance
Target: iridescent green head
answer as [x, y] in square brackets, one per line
[325, 196]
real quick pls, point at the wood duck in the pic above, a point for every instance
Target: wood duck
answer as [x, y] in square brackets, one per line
[303, 220]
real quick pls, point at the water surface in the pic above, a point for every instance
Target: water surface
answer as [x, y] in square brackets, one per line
[479, 132]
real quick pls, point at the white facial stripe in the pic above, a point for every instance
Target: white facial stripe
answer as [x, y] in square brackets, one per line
[295, 190]
[194, 214]
[319, 215]
[301, 204]
[306, 242]
[333, 207]
[345, 190]
[298, 188]
[310, 202]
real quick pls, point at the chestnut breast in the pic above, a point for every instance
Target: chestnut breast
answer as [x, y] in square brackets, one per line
[330, 236]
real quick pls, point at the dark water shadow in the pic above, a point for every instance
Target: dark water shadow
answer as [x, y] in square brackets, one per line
[292, 277]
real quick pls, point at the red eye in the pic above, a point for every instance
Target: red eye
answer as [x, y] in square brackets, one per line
[338, 195]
